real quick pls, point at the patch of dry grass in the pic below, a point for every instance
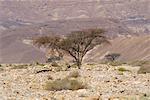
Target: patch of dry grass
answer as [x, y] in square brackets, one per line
[74, 74]
[64, 84]
[24, 66]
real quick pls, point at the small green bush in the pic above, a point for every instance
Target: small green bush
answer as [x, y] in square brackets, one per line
[122, 69]
[64, 84]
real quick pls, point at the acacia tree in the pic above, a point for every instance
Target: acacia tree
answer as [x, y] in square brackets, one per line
[112, 56]
[76, 44]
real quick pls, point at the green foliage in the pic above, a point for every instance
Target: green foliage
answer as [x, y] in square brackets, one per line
[121, 69]
[64, 84]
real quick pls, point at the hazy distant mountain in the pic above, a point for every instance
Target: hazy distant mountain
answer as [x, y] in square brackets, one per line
[130, 48]
[39, 10]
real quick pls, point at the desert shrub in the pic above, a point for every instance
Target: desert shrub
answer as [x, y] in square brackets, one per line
[121, 69]
[73, 74]
[144, 69]
[20, 66]
[112, 56]
[64, 84]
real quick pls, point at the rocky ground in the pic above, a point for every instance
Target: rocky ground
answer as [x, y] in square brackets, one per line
[104, 82]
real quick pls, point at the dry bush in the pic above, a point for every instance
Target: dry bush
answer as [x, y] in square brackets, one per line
[74, 74]
[112, 56]
[64, 84]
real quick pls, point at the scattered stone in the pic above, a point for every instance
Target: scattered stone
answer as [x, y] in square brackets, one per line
[25, 84]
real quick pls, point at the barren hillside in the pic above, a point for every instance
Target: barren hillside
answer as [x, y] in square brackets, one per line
[130, 48]
[23, 19]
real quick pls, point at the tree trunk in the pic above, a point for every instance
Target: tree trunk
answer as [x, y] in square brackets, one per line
[79, 64]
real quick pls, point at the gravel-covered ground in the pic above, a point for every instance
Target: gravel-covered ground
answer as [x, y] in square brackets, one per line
[103, 83]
